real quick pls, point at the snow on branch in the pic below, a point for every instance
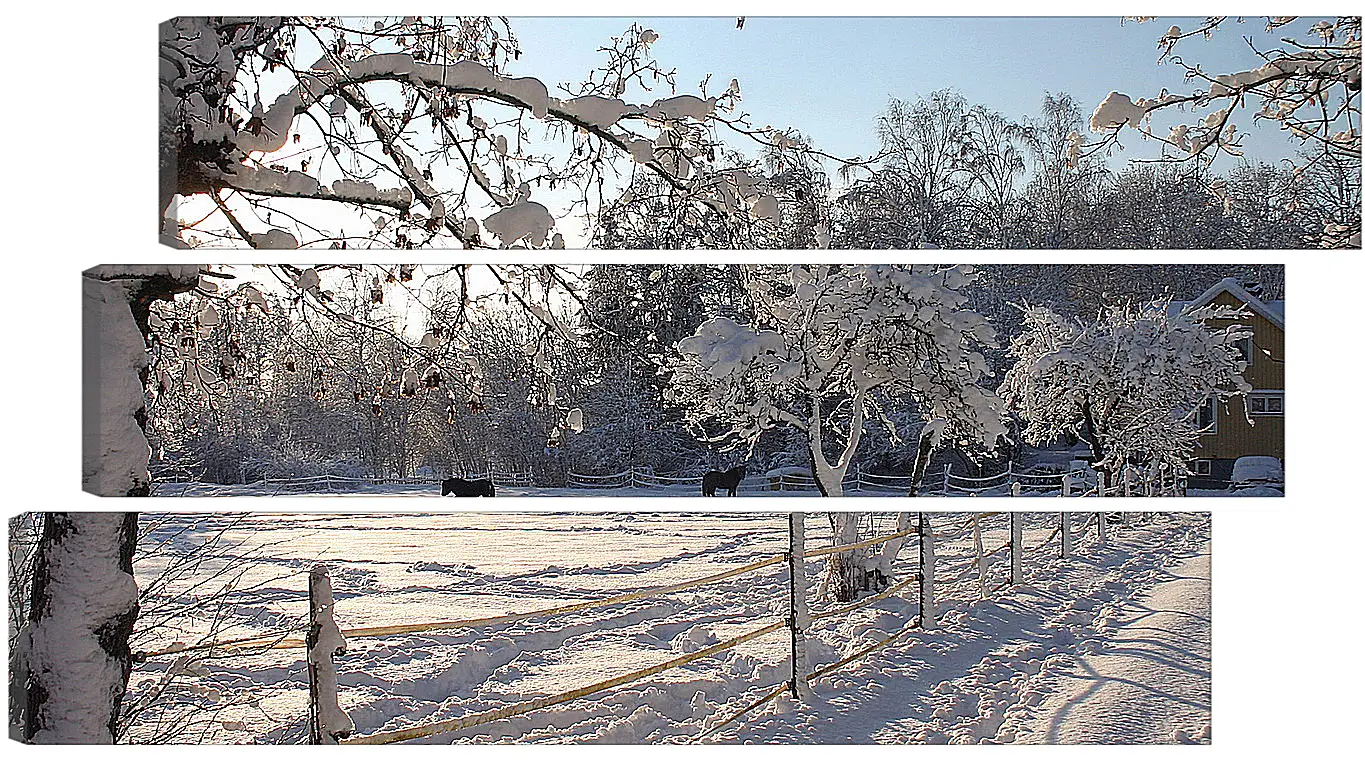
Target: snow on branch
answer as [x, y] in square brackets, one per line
[220, 133]
[829, 342]
[1310, 88]
[1130, 383]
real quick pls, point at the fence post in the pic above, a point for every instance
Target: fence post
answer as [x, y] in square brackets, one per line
[327, 721]
[1066, 535]
[947, 472]
[926, 574]
[1103, 527]
[1016, 548]
[980, 552]
[798, 617]
[1066, 485]
[1009, 471]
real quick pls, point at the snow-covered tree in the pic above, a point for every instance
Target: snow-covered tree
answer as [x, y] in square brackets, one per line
[1309, 84]
[84, 599]
[409, 131]
[344, 369]
[994, 158]
[829, 344]
[919, 194]
[1064, 181]
[1129, 383]
[788, 177]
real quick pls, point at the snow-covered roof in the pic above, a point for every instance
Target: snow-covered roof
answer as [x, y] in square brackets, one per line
[1270, 310]
[788, 472]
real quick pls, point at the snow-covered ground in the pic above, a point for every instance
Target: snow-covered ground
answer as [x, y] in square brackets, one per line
[1150, 675]
[365, 488]
[1005, 668]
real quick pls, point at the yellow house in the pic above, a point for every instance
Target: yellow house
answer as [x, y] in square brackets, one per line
[1250, 425]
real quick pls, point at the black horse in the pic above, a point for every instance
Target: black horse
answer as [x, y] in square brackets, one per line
[729, 480]
[461, 487]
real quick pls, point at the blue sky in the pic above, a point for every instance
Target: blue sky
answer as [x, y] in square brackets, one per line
[830, 77]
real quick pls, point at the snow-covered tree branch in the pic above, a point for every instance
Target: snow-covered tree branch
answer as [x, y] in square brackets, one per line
[414, 129]
[1309, 84]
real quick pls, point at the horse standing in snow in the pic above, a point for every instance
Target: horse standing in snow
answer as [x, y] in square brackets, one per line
[729, 480]
[461, 487]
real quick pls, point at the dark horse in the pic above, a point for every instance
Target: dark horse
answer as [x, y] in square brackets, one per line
[461, 487]
[729, 480]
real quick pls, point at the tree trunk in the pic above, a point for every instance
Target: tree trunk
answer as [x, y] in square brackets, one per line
[1097, 450]
[847, 576]
[115, 307]
[885, 561]
[84, 600]
[847, 570]
[75, 645]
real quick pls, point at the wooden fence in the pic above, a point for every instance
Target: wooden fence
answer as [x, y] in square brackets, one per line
[325, 640]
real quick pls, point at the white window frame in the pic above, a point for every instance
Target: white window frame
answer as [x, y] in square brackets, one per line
[1265, 394]
[1201, 467]
[1212, 405]
[1248, 354]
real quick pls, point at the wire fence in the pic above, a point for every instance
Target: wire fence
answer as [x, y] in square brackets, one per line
[1128, 481]
[333, 484]
[968, 555]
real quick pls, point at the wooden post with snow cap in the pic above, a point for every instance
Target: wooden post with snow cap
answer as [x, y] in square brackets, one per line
[1103, 526]
[327, 721]
[947, 472]
[1066, 535]
[1016, 548]
[980, 554]
[798, 616]
[926, 574]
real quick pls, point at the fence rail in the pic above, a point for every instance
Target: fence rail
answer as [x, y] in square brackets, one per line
[942, 482]
[316, 484]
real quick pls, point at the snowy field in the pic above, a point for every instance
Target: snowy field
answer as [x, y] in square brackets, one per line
[1110, 645]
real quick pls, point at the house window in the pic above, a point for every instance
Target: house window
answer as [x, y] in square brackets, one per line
[1266, 404]
[1206, 418]
[1201, 467]
[1245, 348]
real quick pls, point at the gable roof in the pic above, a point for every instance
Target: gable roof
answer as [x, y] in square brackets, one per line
[1270, 310]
